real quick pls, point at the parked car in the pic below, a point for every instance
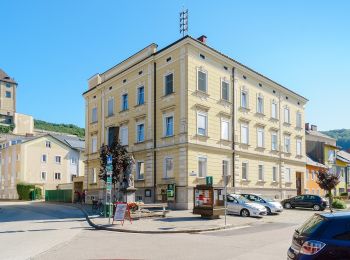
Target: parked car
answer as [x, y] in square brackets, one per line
[271, 205]
[323, 236]
[305, 201]
[237, 204]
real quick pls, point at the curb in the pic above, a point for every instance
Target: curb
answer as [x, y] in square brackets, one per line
[188, 231]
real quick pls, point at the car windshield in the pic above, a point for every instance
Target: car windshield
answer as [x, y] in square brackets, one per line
[311, 225]
[241, 199]
[267, 199]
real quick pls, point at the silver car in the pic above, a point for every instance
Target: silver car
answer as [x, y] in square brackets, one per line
[237, 204]
[271, 206]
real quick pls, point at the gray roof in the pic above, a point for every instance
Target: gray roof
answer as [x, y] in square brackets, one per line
[344, 155]
[319, 134]
[311, 162]
[71, 140]
[6, 78]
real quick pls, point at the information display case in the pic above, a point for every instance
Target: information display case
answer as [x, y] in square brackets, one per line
[208, 201]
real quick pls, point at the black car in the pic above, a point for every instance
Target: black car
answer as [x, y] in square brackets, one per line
[305, 201]
[323, 236]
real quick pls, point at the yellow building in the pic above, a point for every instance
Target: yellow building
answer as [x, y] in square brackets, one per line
[188, 111]
[8, 88]
[46, 160]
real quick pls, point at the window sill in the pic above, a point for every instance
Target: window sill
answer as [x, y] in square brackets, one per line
[141, 142]
[139, 105]
[112, 115]
[274, 182]
[286, 124]
[125, 110]
[260, 114]
[246, 109]
[225, 101]
[225, 140]
[288, 153]
[169, 94]
[139, 179]
[168, 178]
[202, 136]
[288, 182]
[298, 128]
[95, 122]
[299, 156]
[201, 92]
[245, 180]
[201, 178]
[168, 136]
[260, 148]
[93, 183]
[261, 181]
[274, 119]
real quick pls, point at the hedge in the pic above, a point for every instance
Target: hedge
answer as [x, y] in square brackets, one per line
[338, 204]
[23, 190]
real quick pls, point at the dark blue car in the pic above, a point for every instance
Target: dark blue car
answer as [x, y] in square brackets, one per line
[323, 236]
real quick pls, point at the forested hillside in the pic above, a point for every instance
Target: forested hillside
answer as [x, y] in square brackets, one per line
[61, 128]
[342, 136]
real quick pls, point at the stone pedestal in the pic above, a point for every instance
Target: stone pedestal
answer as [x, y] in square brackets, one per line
[129, 195]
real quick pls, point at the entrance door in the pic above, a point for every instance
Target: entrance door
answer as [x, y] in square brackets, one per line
[298, 182]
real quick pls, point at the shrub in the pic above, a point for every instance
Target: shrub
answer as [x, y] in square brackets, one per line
[23, 191]
[38, 193]
[344, 194]
[338, 204]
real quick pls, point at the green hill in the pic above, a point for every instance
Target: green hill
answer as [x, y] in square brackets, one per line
[342, 136]
[60, 128]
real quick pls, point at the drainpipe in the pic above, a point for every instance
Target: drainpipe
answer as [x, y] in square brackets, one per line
[154, 131]
[233, 128]
[280, 143]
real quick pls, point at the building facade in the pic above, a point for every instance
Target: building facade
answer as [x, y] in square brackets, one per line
[46, 160]
[8, 88]
[188, 111]
[312, 170]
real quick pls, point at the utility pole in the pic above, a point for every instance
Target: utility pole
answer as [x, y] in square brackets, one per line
[184, 22]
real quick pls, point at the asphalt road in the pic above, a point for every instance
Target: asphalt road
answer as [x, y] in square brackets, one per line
[40, 231]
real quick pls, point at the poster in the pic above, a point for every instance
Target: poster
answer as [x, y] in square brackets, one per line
[120, 212]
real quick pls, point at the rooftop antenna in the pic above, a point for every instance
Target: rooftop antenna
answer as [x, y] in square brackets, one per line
[184, 22]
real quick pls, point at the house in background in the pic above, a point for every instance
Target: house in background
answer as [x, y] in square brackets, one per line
[45, 160]
[8, 87]
[342, 168]
[312, 170]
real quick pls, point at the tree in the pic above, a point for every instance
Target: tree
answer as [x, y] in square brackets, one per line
[327, 180]
[122, 160]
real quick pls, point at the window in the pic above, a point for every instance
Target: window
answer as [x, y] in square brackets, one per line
[260, 137]
[202, 167]
[244, 134]
[307, 174]
[288, 176]
[244, 99]
[44, 158]
[274, 173]
[298, 146]
[140, 132]
[287, 143]
[244, 171]
[274, 142]
[48, 144]
[111, 135]
[169, 126]
[124, 135]
[8, 85]
[141, 95]
[225, 168]
[93, 144]
[225, 90]
[202, 81]
[261, 172]
[169, 84]
[58, 159]
[57, 175]
[298, 119]
[93, 175]
[140, 170]
[73, 160]
[313, 175]
[111, 107]
[202, 122]
[8, 94]
[274, 110]
[225, 126]
[94, 115]
[43, 176]
[125, 104]
[168, 167]
[260, 105]
[286, 115]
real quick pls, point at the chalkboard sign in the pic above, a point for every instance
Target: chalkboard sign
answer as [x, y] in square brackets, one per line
[120, 212]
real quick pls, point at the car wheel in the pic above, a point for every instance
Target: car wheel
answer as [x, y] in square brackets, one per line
[287, 205]
[268, 211]
[245, 213]
[316, 207]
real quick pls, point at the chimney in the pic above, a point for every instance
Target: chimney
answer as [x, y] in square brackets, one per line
[307, 126]
[313, 127]
[202, 39]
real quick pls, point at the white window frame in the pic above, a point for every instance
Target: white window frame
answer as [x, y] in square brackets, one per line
[260, 106]
[167, 175]
[58, 157]
[243, 91]
[204, 114]
[246, 171]
[73, 160]
[286, 138]
[274, 105]
[42, 158]
[205, 160]
[260, 167]
[137, 132]
[57, 174]
[93, 175]
[313, 175]
[206, 80]
[138, 94]
[140, 176]
[225, 121]
[94, 116]
[288, 172]
[228, 89]
[307, 174]
[245, 126]
[225, 166]
[165, 116]
[260, 143]
[121, 129]
[48, 144]
[286, 115]
[45, 176]
[299, 146]
[299, 119]
[274, 133]
[110, 113]
[274, 174]
[94, 144]
[164, 83]
[122, 101]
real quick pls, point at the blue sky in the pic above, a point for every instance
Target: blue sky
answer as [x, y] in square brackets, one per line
[53, 47]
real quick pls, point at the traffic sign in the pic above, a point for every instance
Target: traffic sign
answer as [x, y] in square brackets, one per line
[109, 186]
[109, 179]
[109, 159]
[209, 180]
[109, 168]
